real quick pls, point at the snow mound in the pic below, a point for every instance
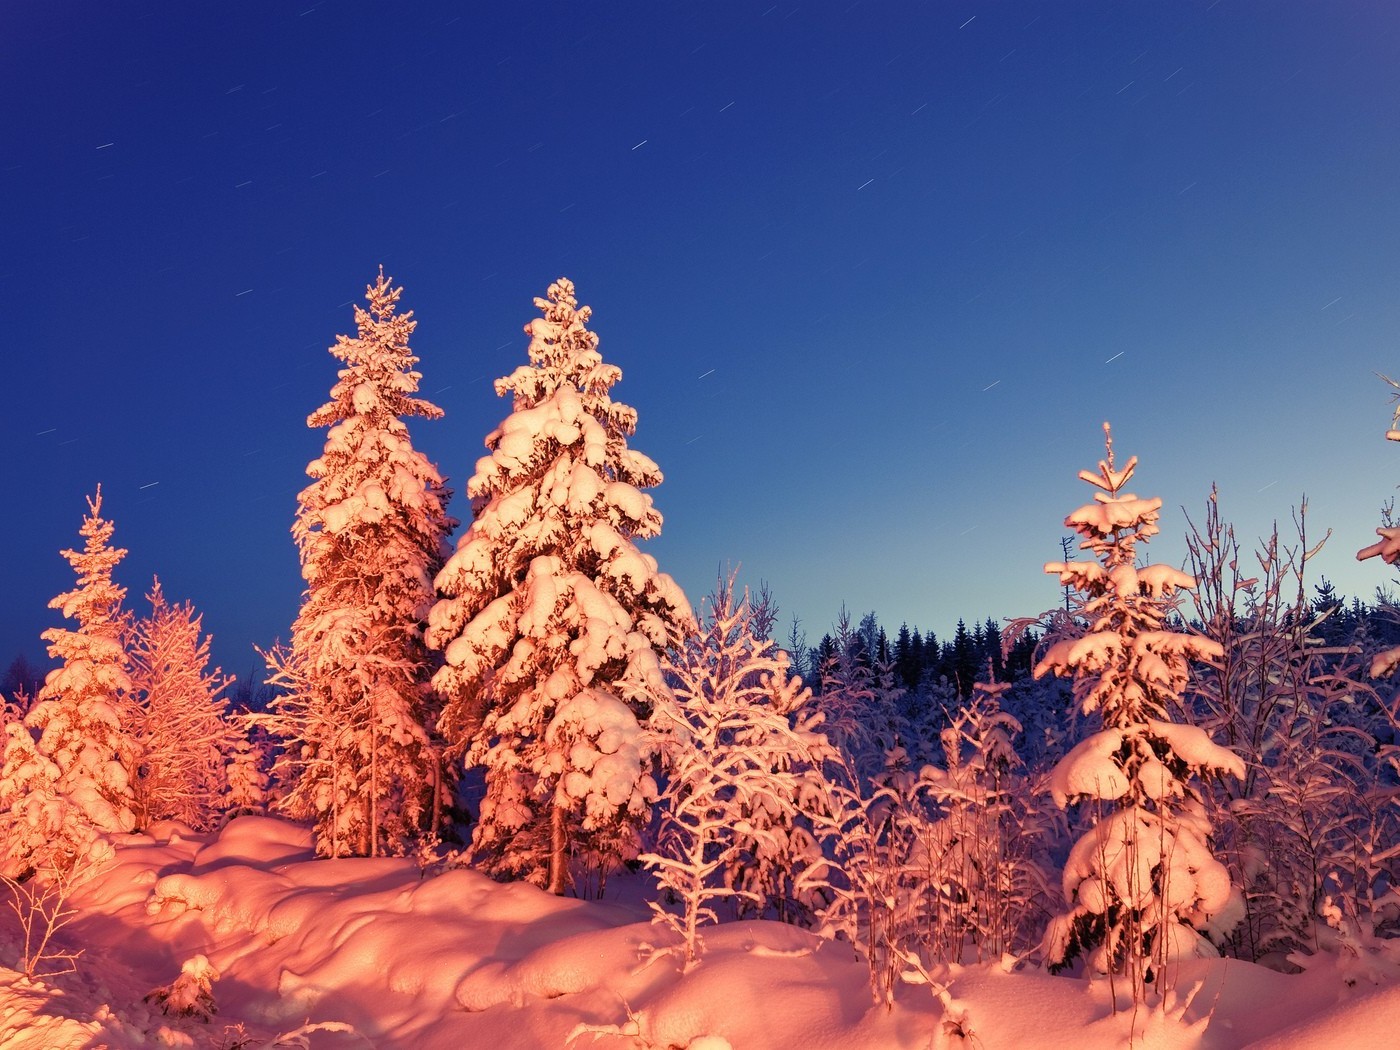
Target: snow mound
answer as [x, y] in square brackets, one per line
[372, 952]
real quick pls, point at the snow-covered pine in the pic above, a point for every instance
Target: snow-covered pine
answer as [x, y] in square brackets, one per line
[64, 777]
[356, 712]
[743, 749]
[1141, 884]
[247, 769]
[553, 621]
[184, 738]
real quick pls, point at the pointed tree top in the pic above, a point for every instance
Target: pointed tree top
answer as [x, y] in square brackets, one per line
[1108, 479]
[383, 298]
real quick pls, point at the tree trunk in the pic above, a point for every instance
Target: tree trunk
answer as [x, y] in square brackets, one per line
[558, 852]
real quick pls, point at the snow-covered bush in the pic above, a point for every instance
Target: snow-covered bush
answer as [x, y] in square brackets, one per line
[356, 711]
[552, 620]
[1296, 710]
[64, 778]
[184, 740]
[984, 891]
[744, 752]
[41, 904]
[859, 698]
[936, 864]
[192, 993]
[1141, 884]
[1387, 548]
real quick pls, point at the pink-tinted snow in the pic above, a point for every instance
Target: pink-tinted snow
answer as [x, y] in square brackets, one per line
[352, 953]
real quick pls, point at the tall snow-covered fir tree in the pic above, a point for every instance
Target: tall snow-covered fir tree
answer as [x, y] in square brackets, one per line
[1141, 884]
[185, 740]
[553, 620]
[362, 760]
[65, 778]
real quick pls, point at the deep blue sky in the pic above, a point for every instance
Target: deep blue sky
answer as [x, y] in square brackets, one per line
[866, 268]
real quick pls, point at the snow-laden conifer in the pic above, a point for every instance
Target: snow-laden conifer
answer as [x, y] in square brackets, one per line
[247, 769]
[553, 620]
[361, 759]
[183, 737]
[65, 778]
[1141, 884]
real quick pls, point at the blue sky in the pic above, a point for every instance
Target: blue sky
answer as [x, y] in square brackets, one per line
[875, 274]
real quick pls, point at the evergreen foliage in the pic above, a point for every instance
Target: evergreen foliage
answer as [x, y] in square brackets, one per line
[553, 621]
[184, 740]
[356, 712]
[1141, 885]
[64, 778]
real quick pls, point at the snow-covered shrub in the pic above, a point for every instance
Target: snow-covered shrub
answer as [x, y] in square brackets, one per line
[1141, 884]
[1387, 548]
[184, 741]
[552, 620]
[356, 711]
[41, 905]
[192, 993]
[743, 749]
[859, 698]
[64, 777]
[1295, 709]
[936, 865]
[984, 891]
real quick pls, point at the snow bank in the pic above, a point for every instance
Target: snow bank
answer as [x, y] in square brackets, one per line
[393, 959]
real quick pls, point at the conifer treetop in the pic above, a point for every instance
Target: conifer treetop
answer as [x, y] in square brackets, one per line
[96, 601]
[379, 378]
[1117, 521]
[562, 396]
[559, 480]
[369, 465]
[1129, 662]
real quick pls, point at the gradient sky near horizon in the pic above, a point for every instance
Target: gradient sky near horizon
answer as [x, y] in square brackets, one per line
[875, 273]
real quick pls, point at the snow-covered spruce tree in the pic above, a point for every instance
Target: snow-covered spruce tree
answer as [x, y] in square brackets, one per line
[247, 769]
[62, 787]
[1140, 884]
[361, 758]
[553, 621]
[183, 737]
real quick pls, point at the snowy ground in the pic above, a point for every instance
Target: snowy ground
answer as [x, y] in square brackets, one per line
[355, 953]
